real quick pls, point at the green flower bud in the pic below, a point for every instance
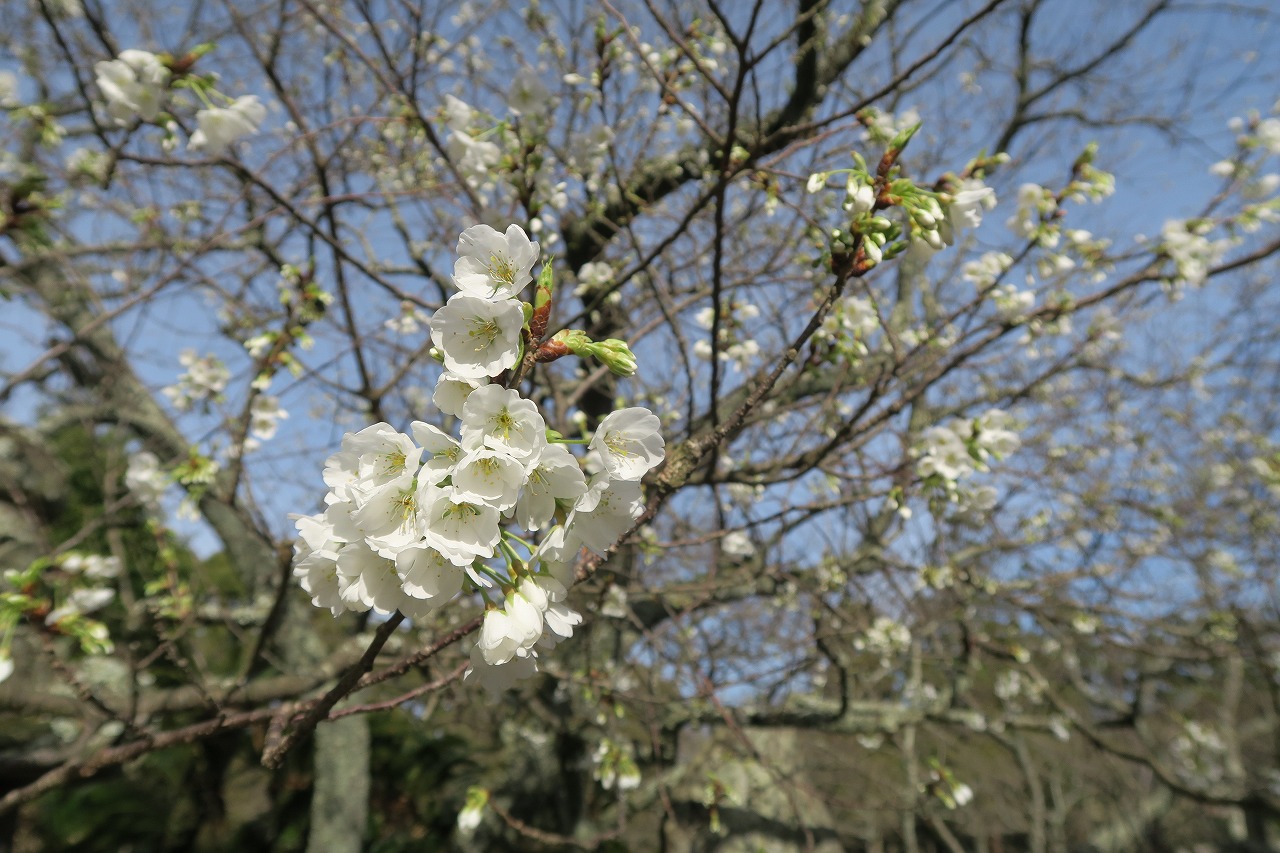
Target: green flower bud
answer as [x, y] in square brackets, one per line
[575, 339]
[545, 288]
[616, 356]
[900, 141]
[612, 353]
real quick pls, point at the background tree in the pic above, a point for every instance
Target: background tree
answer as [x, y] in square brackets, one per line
[965, 536]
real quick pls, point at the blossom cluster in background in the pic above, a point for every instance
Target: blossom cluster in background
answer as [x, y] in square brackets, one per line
[948, 454]
[136, 87]
[205, 379]
[415, 520]
[61, 592]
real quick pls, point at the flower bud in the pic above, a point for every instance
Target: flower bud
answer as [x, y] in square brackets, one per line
[546, 287]
[864, 198]
[904, 136]
[575, 339]
[616, 356]
[933, 238]
[612, 353]
[473, 812]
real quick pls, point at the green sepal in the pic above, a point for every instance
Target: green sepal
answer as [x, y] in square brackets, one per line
[545, 288]
[900, 141]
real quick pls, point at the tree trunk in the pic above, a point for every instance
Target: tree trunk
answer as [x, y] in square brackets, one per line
[340, 798]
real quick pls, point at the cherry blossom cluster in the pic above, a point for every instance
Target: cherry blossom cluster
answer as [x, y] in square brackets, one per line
[146, 479]
[988, 269]
[948, 454]
[735, 347]
[61, 592]
[883, 127]
[1193, 254]
[615, 765]
[136, 87]
[937, 221]
[934, 218]
[1199, 753]
[850, 324]
[884, 637]
[413, 521]
[205, 379]
[483, 147]
[1195, 246]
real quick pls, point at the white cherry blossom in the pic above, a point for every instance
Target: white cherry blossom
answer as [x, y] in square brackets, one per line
[367, 580]
[561, 619]
[944, 454]
[441, 451]
[317, 572]
[204, 379]
[555, 554]
[338, 516]
[427, 575]
[498, 678]
[79, 602]
[460, 530]
[378, 455]
[93, 566]
[265, 414]
[1193, 253]
[994, 436]
[487, 476]
[478, 337]
[629, 442]
[219, 127]
[605, 512]
[388, 516]
[965, 209]
[501, 419]
[452, 391]
[341, 470]
[503, 635]
[134, 85]
[737, 544]
[528, 96]
[556, 476]
[457, 113]
[476, 158]
[493, 265]
[146, 479]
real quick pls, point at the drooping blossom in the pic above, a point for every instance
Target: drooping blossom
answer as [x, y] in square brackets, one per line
[134, 85]
[218, 127]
